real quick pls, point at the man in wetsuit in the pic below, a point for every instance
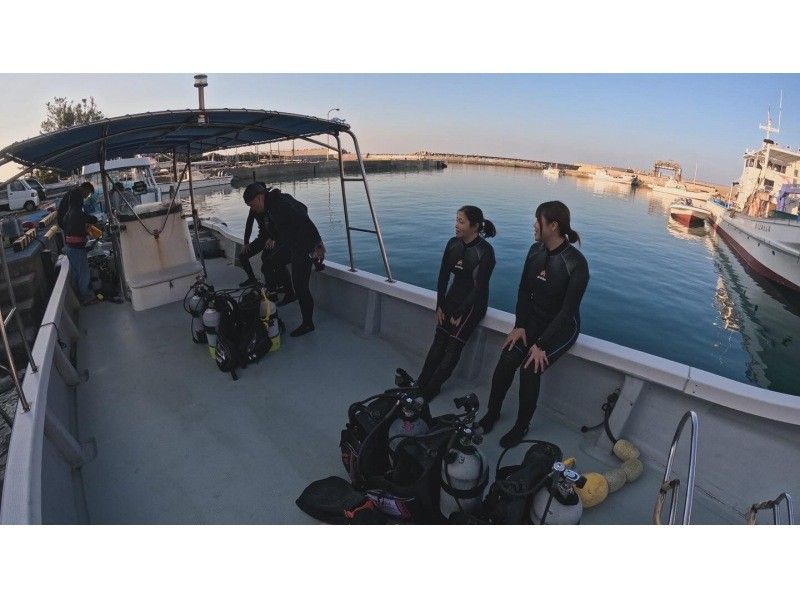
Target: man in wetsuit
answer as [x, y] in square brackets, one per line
[82, 192]
[470, 259]
[274, 257]
[294, 230]
[554, 278]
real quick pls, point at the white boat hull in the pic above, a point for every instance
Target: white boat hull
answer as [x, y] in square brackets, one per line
[689, 215]
[220, 181]
[770, 247]
[622, 179]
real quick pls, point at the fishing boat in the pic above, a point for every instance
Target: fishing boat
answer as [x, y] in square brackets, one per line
[623, 178]
[688, 213]
[155, 433]
[761, 223]
[673, 187]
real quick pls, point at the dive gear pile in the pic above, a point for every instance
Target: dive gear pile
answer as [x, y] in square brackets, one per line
[239, 325]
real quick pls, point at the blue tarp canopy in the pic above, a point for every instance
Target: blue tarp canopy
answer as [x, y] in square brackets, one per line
[153, 132]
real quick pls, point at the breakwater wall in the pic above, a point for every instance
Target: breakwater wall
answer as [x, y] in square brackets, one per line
[298, 170]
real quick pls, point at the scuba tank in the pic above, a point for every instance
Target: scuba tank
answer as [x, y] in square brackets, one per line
[211, 325]
[408, 423]
[195, 306]
[464, 470]
[268, 314]
[557, 503]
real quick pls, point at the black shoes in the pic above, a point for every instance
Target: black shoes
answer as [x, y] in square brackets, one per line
[514, 436]
[301, 330]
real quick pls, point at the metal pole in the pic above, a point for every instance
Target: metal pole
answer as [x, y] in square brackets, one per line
[111, 217]
[371, 208]
[174, 165]
[15, 312]
[344, 204]
[687, 504]
[195, 222]
[11, 367]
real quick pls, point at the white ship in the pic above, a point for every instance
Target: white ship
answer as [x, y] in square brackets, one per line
[673, 187]
[761, 222]
[552, 172]
[624, 178]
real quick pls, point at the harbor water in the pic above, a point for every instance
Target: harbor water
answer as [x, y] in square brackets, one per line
[654, 287]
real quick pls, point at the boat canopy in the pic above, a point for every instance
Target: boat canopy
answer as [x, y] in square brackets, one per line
[183, 131]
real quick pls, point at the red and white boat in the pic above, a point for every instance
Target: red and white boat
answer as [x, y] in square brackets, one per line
[688, 213]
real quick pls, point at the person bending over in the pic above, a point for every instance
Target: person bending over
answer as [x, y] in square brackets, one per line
[547, 324]
[274, 257]
[469, 258]
[296, 231]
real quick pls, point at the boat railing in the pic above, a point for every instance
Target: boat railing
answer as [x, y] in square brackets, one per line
[42, 450]
[774, 504]
[670, 486]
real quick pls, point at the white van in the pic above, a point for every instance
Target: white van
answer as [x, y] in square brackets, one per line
[18, 195]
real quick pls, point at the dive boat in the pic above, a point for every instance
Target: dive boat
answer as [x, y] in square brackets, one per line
[673, 187]
[688, 213]
[155, 433]
[624, 178]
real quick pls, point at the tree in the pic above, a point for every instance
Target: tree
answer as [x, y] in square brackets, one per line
[62, 114]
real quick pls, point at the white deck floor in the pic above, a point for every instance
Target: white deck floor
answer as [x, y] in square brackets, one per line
[180, 442]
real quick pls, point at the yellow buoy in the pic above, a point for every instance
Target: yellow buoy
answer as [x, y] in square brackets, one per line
[633, 469]
[616, 479]
[594, 491]
[624, 450]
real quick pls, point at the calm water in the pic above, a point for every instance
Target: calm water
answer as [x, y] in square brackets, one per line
[653, 287]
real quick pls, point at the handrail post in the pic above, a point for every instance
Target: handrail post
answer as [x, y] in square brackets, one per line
[670, 485]
[384, 257]
[344, 203]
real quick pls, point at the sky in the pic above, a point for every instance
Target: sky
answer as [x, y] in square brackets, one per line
[616, 120]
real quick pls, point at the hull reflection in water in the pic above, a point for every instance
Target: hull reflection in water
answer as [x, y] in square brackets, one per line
[761, 312]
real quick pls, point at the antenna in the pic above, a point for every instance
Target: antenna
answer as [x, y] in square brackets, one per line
[768, 128]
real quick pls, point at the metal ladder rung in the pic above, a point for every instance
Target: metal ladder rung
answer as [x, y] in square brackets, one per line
[352, 180]
[362, 230]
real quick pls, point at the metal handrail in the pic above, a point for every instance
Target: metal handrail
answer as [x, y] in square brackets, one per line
[773, 504]
[670, 485]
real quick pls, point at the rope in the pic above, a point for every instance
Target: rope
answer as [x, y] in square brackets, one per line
[662, 496]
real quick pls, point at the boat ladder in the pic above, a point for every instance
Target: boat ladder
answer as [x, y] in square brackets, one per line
[671, 485]
[14, 314]
[360, 179]
[773, 504]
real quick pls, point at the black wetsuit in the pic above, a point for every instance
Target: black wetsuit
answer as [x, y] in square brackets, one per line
[274, 260]
[300, 236]
[466, 300]
[548, 301]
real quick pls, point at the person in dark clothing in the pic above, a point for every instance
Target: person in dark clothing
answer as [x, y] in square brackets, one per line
[74, 223]
[297, 233]
[459, 308]
[83, 191]
[275, 258]
[547, 324]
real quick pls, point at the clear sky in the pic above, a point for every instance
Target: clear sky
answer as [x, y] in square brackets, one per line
[621, 120]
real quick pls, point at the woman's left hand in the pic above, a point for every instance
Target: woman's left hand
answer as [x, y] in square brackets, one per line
[455, 321]
[538, 358]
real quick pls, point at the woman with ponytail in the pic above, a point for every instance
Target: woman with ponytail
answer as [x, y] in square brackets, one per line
[459, 308]
[547, 324]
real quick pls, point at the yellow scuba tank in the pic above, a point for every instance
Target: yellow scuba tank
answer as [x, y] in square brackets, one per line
[269, 320]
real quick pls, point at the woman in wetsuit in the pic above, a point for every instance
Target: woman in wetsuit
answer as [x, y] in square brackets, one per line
[470, 259]
[547, 324]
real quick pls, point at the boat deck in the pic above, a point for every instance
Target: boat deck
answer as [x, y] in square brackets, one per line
[180, 442]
